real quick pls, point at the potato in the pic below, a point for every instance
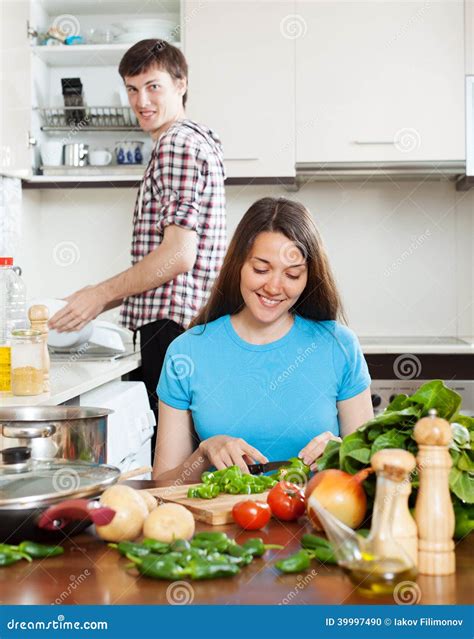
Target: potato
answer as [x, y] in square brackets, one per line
[168, 522]
[150, 501]
[130, 513]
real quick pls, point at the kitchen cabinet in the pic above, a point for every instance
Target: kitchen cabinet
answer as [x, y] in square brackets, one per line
[380, 82]
[15, 94]
[242, 82]
[469, 35]
[32, 106]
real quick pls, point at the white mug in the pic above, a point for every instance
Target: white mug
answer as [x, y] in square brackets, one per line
[52, 153]
[100, 157]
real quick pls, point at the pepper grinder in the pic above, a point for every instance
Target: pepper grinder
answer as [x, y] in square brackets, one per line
[394, 467]
[434, 512]
[38, 316]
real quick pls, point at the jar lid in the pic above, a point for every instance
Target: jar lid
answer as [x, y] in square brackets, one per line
[6, 261]
[26, 333]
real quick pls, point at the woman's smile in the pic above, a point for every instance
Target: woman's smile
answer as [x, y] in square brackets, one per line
[272, 278]
[268, 302]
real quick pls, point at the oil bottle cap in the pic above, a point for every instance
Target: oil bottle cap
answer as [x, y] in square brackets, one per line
[6, 261]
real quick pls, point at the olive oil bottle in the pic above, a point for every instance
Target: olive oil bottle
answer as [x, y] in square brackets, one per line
[386, 560]
[379, 576]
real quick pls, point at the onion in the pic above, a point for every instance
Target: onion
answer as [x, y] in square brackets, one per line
[339, 493]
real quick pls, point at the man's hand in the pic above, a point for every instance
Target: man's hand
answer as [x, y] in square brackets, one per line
[82, 307]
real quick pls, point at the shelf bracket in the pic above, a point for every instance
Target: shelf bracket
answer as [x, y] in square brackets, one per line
[30, 32]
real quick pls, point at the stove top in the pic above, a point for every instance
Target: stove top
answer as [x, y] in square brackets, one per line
[415, 341]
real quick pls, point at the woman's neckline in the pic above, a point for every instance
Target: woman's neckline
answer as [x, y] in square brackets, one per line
[260, 347]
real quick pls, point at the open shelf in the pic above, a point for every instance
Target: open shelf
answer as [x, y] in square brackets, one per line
[78, 55]
[101, 118]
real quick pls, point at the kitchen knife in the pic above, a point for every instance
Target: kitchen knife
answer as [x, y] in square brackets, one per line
[259, 469]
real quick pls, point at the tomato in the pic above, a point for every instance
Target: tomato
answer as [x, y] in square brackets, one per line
[286, 501]
[251, 515]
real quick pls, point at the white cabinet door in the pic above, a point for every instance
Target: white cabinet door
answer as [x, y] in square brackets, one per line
[469, 35]
[380, 81]
[15, 92]
[241, 81]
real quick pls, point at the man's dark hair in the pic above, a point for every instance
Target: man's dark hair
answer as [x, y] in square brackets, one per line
[148, 53]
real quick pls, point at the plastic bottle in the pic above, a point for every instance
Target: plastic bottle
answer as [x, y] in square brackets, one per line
[12, 315]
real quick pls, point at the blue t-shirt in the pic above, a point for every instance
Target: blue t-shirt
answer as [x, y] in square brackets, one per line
[276, 396]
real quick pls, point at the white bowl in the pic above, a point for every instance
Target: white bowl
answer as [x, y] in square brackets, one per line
[132, 37]
[148, 24]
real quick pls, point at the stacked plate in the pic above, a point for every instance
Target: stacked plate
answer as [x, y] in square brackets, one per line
[146, 28]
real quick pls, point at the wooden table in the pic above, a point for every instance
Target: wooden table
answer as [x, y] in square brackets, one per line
[92, 573]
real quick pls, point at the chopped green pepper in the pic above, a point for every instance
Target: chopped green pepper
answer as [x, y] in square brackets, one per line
[203, 569]
[40, 551]
[157, 547]
[204, 491]
[211, 541]
[294, 563]
[9, 558]
[324, 555]
[312, 542]
[158, 567]
[319, 548]
[211, 536]
[129, 548]
[232, 481]
[180, 545]
[257, 548]
[7, 548]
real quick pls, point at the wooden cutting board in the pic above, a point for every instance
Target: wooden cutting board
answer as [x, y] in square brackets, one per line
[215, 511]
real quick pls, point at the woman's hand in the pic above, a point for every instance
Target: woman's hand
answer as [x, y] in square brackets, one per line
[223, 451]
[315, 448]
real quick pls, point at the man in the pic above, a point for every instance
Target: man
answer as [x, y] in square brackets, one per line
[179, 236]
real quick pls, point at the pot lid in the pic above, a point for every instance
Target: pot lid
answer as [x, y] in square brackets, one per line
[48, 482]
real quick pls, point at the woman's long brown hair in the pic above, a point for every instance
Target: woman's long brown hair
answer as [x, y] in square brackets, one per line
[319, 300]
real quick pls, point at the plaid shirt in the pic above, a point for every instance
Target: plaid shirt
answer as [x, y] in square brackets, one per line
[183, 185]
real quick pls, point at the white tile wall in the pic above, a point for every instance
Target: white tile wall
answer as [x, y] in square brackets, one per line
[402, 252]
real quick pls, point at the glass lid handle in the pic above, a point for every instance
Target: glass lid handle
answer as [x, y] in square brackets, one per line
[28, 432]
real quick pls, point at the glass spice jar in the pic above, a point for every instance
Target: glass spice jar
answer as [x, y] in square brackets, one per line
[26, 362]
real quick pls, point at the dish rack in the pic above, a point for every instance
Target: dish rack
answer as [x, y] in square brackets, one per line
[86, 118]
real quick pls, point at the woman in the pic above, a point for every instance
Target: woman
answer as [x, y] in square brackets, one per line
[265, 372]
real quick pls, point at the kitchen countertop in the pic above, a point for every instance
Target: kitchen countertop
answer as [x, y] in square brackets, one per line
[92, 573]
[71, 378]
[417, 345]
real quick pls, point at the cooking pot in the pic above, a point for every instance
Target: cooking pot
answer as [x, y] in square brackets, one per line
[50, 500]
[63, 432]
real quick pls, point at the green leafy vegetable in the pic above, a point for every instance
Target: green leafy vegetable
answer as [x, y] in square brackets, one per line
[394, 429]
